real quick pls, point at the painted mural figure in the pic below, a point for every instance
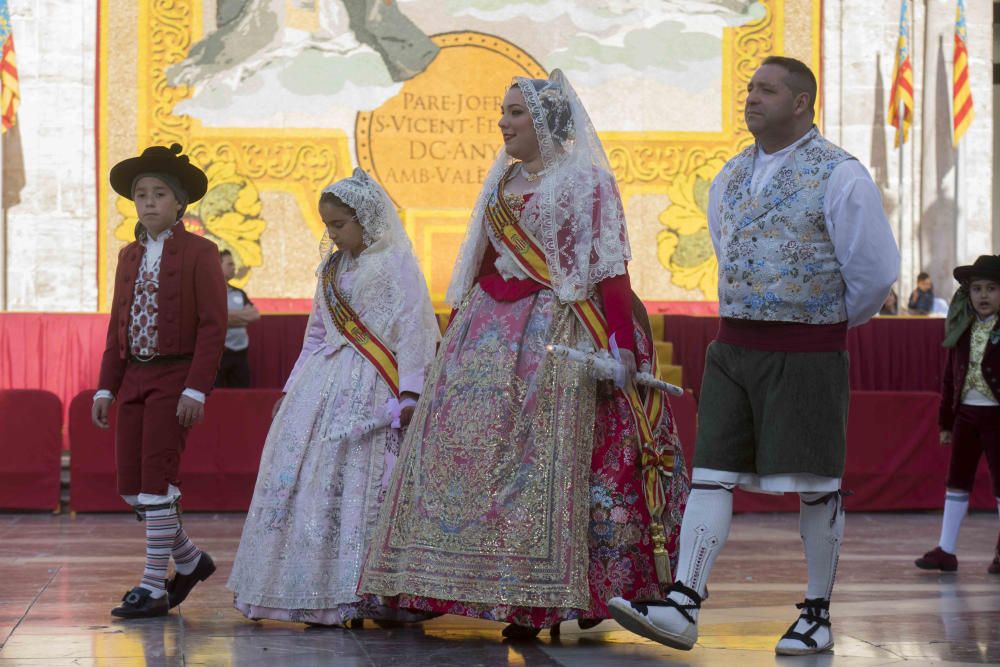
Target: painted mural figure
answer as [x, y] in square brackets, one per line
[249, 33]
[519, 494]
[805, 252]
[336, 430]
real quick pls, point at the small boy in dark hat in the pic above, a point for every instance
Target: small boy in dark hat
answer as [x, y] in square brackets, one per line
[970, 412]
[165, 338]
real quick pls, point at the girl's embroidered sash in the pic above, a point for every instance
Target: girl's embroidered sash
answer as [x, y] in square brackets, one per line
[530, 257]
[354, 330]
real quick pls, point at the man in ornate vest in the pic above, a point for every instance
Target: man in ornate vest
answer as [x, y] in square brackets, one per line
[804, 252]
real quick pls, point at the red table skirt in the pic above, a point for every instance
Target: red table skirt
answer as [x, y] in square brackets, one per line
[61, 352]
[894, 461]
[218, 467]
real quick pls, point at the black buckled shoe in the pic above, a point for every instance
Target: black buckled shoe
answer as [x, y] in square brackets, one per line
[139, 603]
[180, 586]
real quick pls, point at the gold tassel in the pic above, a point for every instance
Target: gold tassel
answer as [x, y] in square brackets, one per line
[660, 556]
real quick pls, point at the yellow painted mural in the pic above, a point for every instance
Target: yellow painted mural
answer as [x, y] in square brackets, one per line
[275, 99]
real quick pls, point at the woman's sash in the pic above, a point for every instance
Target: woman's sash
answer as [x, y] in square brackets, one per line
[354, 330]
[657, 463]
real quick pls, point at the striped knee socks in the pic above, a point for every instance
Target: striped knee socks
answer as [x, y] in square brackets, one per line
[161, 532]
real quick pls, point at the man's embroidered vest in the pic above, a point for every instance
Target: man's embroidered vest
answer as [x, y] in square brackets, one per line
[777, 261]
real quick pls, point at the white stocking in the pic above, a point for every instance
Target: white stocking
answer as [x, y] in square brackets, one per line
[704, 532]
[821, 524]
[956, 504]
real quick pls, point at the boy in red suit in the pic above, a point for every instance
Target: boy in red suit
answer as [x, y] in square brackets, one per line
[165, 338]
[970, 412]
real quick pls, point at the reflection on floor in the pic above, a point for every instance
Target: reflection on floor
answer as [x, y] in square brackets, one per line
[59, 576]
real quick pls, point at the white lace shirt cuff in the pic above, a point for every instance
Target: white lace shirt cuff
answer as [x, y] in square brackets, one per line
[195, 394]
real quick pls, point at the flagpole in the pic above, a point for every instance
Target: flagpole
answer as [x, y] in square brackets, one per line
[900, 137]
[959, 227]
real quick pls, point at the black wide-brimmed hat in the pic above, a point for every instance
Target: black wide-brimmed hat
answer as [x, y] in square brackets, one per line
[160, 160]
[986, 267]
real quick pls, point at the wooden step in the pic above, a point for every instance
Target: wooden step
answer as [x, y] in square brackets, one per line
[664, 352]
[672, 374]
[656, 324]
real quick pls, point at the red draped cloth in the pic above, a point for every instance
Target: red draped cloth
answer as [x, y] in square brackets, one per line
[57, 352]
[893, 459]
[887, 354]
[61, 352]
[218, 467]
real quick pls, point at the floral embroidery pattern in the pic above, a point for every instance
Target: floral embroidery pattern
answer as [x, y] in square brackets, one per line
[778, 262]
[981, 335]
[515, 483]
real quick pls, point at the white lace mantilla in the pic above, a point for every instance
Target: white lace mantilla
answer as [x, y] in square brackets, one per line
[579, 218]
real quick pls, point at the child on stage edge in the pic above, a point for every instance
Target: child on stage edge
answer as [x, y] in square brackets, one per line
[970, 413]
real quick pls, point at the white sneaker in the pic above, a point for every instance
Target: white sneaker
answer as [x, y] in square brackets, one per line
[810, 633]
[669, 622]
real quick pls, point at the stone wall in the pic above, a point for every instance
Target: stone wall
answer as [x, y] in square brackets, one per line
[51, 250]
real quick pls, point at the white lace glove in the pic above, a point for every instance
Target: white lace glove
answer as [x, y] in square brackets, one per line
[625, 373]
[395, 407]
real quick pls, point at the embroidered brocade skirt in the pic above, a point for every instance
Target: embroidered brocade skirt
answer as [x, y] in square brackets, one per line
[507, 504]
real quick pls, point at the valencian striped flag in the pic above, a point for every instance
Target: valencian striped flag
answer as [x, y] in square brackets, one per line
[10, 95]
[902, 78]
[961, 92]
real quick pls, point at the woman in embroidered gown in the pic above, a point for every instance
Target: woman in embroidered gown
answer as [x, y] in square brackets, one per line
[520, 492]
[331, 447]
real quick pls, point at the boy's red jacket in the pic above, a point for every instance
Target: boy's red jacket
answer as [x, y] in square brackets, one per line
[956, 369]
[192, 309]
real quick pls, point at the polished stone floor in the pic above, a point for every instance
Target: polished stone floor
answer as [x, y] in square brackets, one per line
[60, 575]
